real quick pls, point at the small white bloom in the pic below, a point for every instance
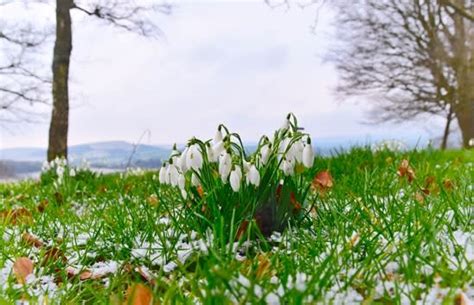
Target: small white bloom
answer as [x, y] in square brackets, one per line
[60, 171]
[264, 153]
[181, 181]
[308, 156]
[225, 165]
[195, 180]
[162, 175]
[218, 148]
[218, 136]
[285, 125]
[287, 166]
[184, 194]
[235, 178]
[172, 173]
[72, 172]
[194, 157]
[45, 166]
[181, 162]
[253, 176]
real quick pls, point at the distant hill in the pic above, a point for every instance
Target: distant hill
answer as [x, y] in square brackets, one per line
[113, 154]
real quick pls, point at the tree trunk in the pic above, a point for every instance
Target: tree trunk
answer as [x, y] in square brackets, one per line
[449, 118]
[58, 130]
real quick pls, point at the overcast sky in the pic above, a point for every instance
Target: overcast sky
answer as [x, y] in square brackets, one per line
[235, 62]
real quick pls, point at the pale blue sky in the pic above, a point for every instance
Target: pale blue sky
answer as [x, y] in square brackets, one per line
[235, 62]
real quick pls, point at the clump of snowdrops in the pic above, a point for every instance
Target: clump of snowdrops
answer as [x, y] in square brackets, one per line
[222, 187]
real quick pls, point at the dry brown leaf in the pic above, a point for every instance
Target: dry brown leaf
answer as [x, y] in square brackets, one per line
[53, 254]
[145, 274]
[42, 205]
[462, 299]
[32, 240]
[138, 294]
[85, 275]
[22, 267]
[242, 229]
[448, 184]
[17, 216]
[419, 197]
[200, 191]
[264, 265]
[405, 170]
[153, 200]
[323, 181]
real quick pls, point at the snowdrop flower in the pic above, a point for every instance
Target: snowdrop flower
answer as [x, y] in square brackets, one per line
[285, 125]
[181, 161]
[218, 148]
[184, 194]
[308, 155]
[72, 172]
[296, 151]
[173, 175]
[235, 178]
[287, 166]
[264, 153]
[60, 171]
[218, 136]
[211, 156]
[225, 165]
[162, 175]
[181, 181]
[45, 166]
[253, 176]
[194, 157]
[195, 180]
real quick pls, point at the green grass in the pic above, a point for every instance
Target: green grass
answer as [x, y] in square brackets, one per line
[407, 247]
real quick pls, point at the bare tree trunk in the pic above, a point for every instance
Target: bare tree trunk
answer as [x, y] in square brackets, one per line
[449, 118]
[464, 66]
[58, 130]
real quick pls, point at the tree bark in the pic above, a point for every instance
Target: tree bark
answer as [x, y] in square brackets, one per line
[58, 130]
[449, 118]
[464, 66]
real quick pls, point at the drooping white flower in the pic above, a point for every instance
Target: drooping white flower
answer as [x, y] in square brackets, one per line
[218, 136]
[296, 151]
[181, 162]
[45, 166]
[195, 180]
[211, 156]
[194, 157]
[162, 175]
[264, 154]
[287, 166]
[181, 181]
[285, 125]
[184, 194]
[60, 171]
[235, 179]
[173, 174]
[308, 156]
[218, 148]
[72, 172]
[253, 176]
[225, 165]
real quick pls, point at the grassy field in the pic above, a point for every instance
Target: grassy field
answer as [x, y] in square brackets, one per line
[374, 237]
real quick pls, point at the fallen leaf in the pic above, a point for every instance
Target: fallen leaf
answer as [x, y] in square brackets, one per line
[85, 275]
[263, 266]
[405, 170]
[323, 181]
[462, 299]
[448, 184]
[420, 197]
[145, 274]
[42, 205]
[138, 294]
[242, 229]
[17, 216]
[53, 254]
[153, 200]
[200, 191]
[296, 205]
[32, 240]
[22, 267]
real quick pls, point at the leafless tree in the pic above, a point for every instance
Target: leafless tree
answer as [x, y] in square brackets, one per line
[410, 57]
[22, 83]
[129, 15]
